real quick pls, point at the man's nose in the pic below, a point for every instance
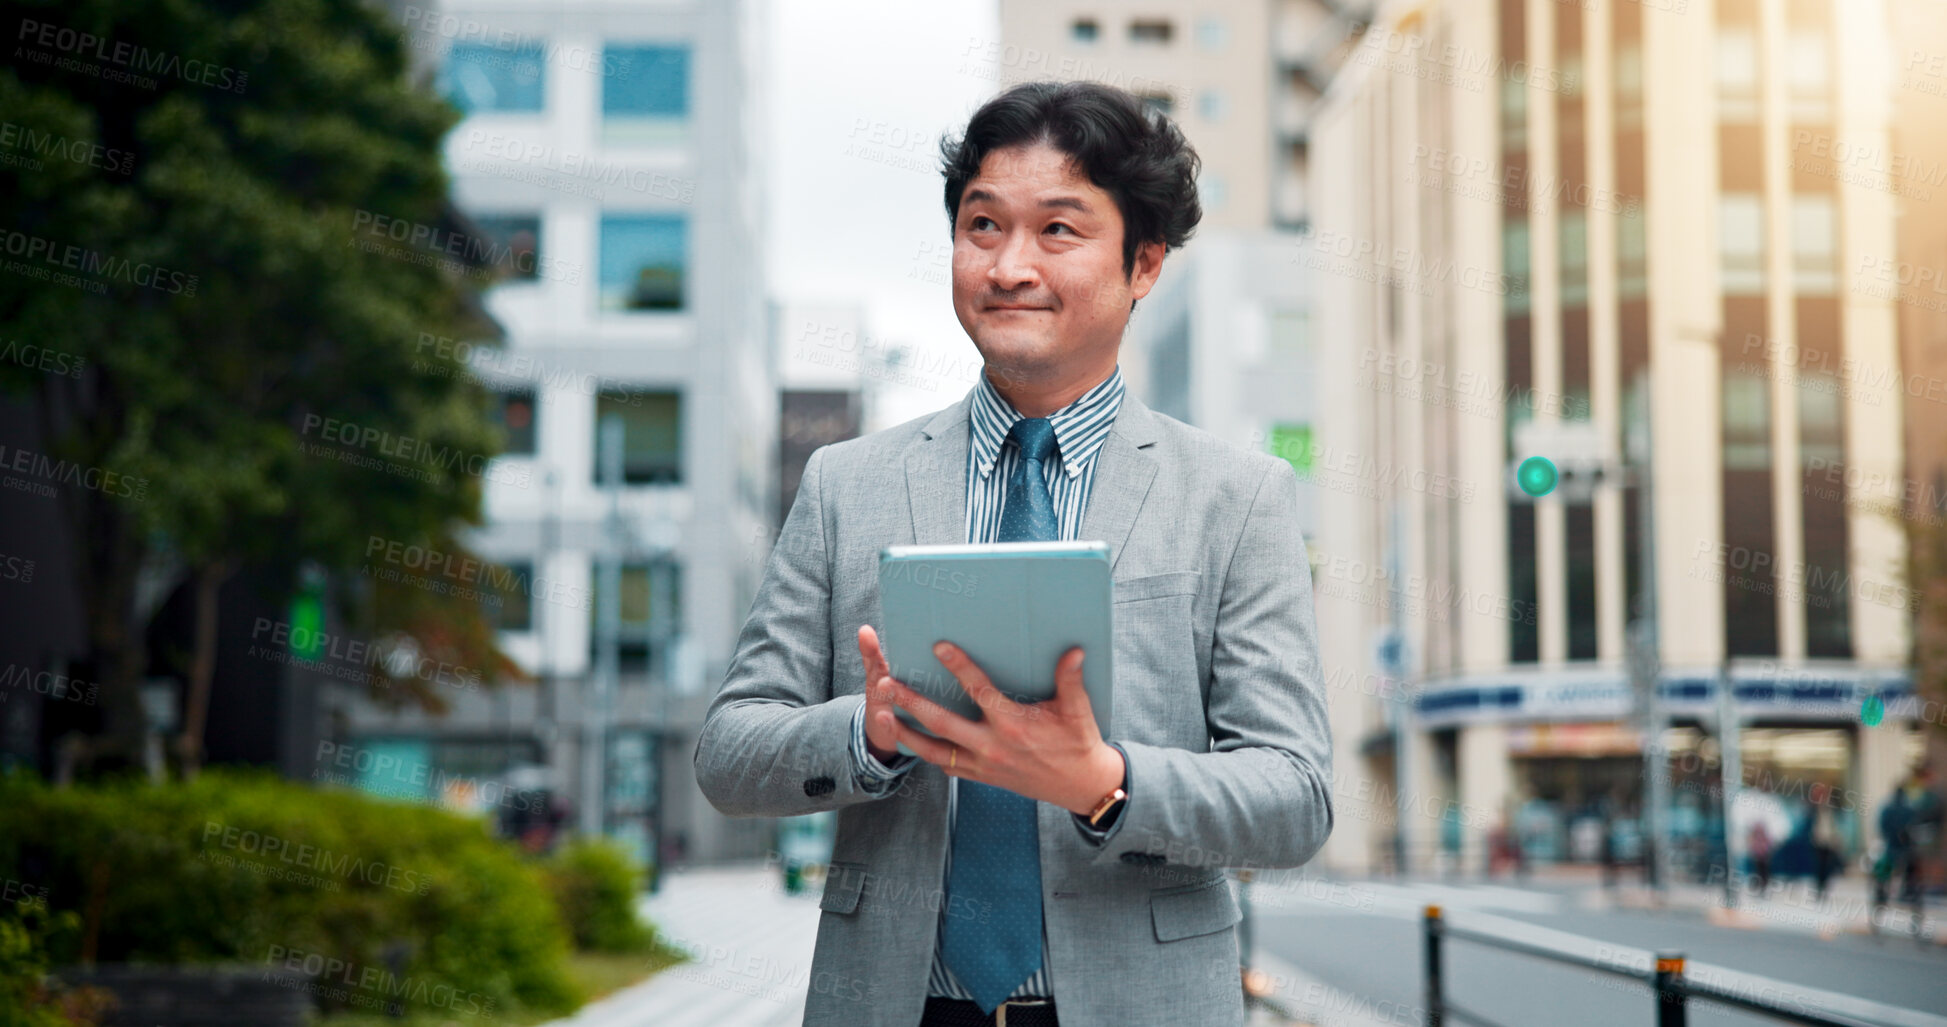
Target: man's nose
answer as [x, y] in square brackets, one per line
[1013, 264]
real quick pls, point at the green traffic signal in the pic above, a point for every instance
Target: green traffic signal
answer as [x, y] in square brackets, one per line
[1536, 476]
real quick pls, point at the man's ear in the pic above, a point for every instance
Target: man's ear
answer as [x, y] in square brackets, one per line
[1149, 265]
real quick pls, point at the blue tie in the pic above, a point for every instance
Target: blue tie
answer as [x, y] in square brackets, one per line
[996, 854]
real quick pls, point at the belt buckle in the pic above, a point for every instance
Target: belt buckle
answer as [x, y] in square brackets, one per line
[1000, 1014]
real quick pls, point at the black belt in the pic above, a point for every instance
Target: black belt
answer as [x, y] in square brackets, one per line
[1015, 1012]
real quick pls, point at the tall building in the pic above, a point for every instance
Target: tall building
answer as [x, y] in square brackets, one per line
[1224, 340]
[1542, 229]
[607, 154]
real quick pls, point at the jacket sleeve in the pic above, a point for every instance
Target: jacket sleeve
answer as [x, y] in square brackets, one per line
[775, 741]
[1261, 797]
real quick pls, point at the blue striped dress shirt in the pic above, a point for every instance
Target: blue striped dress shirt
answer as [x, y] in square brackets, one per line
[1080, 429]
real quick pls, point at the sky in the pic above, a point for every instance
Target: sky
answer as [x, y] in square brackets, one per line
[860, 92]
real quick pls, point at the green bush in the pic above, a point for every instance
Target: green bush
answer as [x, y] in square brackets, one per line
[246, 868]
[595, 884]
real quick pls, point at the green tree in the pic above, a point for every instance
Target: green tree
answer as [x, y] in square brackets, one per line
[207, 214]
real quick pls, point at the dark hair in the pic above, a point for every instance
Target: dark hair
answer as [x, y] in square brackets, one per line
[1127, 149]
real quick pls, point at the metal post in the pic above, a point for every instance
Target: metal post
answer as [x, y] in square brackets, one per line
[1436, 1002]
[1730, 775]
[608, 629]
[1646, 664]
[1670, 1010]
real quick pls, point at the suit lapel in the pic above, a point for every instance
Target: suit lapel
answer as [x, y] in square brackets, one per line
[936, 477]
[1123, 473]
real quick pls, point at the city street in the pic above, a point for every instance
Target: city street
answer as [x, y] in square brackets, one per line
[1338, 954]
[1364, 940]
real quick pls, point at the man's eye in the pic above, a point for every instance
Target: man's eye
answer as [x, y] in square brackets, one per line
[1058, 224]
[977, 219]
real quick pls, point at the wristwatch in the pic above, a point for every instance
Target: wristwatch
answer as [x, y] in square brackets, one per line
[1109, 802]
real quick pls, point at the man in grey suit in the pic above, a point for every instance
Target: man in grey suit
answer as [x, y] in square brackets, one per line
[1021, 868]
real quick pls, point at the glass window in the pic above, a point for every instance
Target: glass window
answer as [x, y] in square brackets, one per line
[1514, 114]
[509, 596]
[1809, 71]
[1632, 254]
[1815, 230]
[652, 436]
[1150, 30]
[1737, 73]
[481, 78]
[1211, 190]
[1574, 230]
[1212, 33]
[643, 585]
[514, 244]
[1747, 421]
[1740, 243]
[644, 262]
[1084, 30]
[1629, 86]
[1210, 103]
[646, 95]
[1514, 262]
[515, 415]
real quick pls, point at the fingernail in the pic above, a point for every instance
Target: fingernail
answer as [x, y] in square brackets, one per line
[941, 649]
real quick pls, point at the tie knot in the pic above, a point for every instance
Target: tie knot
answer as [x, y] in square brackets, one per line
[1034, 436]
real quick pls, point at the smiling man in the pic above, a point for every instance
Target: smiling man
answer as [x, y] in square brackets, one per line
[1023, 869]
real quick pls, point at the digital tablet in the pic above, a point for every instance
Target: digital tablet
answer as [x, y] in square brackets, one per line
[1014, 607]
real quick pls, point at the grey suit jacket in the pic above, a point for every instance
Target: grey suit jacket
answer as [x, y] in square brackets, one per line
[1219, 702]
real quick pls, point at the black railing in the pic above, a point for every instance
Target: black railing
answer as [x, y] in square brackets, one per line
[1674, 990]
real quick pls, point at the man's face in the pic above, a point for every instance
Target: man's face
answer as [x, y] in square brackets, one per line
[1037, 265]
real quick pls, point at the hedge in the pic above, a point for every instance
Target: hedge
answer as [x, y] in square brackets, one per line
[239, 867]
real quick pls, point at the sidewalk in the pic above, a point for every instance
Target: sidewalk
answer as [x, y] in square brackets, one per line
[1787, 905]
[750, 950]
[750, 946]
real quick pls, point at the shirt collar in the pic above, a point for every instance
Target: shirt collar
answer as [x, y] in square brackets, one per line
[1080, 427]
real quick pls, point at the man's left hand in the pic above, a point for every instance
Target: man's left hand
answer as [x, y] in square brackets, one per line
[1051, 751]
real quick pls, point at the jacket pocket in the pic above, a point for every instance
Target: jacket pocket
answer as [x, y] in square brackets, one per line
[843, 882]
[1152, 586]
[1193, 909]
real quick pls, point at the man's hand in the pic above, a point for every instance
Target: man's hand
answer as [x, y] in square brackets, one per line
[881, 724]
[1050, 751]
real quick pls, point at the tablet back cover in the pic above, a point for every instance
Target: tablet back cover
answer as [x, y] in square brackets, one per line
[1014, 607]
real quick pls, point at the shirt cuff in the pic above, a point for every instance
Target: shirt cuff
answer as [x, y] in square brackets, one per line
[874, 777]
[1100, 834]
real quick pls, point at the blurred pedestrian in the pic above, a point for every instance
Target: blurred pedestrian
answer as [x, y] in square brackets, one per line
[1758, 844]
[1908, 824]
[1826, 847]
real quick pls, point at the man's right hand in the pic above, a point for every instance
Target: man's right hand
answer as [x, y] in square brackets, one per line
[880, 737]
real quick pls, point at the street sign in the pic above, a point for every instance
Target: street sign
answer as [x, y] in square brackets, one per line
[1581, 458]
